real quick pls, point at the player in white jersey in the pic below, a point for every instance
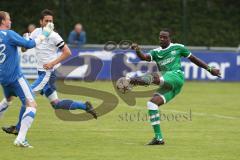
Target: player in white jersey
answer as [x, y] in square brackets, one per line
[47, 59]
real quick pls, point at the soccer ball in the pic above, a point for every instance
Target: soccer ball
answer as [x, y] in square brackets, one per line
[123, 85]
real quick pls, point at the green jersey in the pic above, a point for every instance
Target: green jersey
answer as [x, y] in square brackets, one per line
[169, 59]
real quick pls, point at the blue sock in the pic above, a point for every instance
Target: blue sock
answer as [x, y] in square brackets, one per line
[70, 105]
[22, 110]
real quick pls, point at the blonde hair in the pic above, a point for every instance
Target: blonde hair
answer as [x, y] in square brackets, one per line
[3, 16]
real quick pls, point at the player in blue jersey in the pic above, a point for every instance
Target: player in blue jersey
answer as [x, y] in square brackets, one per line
[11, 77]
[47, 59]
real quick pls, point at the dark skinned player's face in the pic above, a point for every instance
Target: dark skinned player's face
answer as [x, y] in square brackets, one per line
[164, 39]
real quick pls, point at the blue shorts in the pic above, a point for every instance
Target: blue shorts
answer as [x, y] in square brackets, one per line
[19, 88]
[45, 83]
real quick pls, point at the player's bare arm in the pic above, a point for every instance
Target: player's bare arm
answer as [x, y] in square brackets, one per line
[65, 54]
[139, 53]
[200, 63]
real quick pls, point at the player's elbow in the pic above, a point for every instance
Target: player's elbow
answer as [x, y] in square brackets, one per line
[67, 52]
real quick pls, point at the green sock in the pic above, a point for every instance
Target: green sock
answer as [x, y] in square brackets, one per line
[155, 121]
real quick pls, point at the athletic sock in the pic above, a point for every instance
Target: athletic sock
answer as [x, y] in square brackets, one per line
[26, 122]
[155, 119]
[69, 105]
[22, 110]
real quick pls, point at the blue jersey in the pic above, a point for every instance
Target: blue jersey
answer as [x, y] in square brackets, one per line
[10, 69]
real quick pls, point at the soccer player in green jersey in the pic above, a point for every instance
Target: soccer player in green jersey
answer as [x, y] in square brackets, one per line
[171, 77]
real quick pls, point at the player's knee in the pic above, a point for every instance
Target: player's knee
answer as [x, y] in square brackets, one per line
[158, 100]
[9, 99]
[157, 79]
[31, 103]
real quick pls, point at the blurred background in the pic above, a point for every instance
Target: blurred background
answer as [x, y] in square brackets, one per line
[194, 22]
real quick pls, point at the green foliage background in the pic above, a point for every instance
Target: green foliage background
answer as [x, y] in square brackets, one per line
[201, 23]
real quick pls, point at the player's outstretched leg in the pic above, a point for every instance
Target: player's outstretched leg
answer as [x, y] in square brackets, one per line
[73, 105]
[67, 104]
[146, 80]
[154, 115]
[125, 84]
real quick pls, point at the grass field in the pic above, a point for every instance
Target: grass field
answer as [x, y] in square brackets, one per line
[211, 131]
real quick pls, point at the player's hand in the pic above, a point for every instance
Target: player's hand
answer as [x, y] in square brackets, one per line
[48, 66]
[47, 30]
[135, 47]
[215, 72]
[26, 36]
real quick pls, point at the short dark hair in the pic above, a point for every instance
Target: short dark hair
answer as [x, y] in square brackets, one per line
[46, 12]
[167, 30]
[3, 15]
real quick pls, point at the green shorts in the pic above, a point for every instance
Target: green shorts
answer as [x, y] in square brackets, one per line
[173, 82]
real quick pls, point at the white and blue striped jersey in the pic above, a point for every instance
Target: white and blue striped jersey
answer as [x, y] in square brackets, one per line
[10, 69]
[47, 50]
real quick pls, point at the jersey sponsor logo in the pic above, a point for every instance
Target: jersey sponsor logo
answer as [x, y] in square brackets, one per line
[159, 56]
[166, 61]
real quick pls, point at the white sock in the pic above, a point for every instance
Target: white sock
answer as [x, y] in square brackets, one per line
[3, 107]
[53, 97]
[26, 123]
